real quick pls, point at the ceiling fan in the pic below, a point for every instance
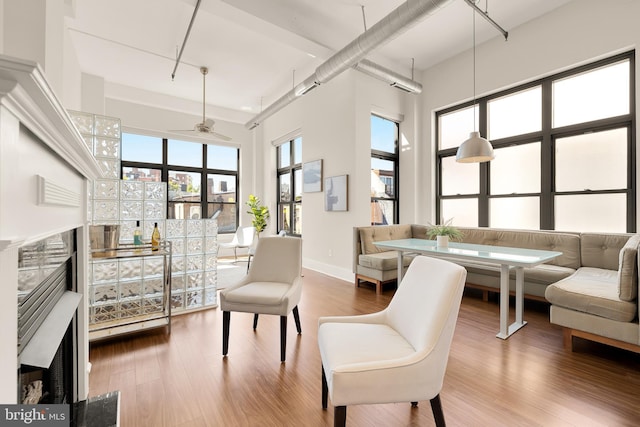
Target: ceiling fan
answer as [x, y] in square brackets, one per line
[206, 126]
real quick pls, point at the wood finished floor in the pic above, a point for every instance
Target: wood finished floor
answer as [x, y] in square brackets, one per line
[182, 379]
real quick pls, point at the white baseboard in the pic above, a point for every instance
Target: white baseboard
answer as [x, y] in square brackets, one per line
[329, 270]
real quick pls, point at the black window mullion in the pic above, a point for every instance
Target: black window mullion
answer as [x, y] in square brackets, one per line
[631, 197]
[483, 197]
[547, 161]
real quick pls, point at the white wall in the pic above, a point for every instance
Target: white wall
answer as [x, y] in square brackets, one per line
[334, 121]
[36, 30]
[577, 33]
[71, 77]
[92, 94]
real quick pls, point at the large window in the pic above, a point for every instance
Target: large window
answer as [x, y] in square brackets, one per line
[201, 178]
[565, 150]
[384, 171]
[290, 186]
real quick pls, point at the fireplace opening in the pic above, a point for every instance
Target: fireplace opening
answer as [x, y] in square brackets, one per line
[52, 385]
[47, 321]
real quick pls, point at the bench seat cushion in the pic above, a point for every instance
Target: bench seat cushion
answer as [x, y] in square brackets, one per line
[544, 273]
[383, 260]
[593, 291]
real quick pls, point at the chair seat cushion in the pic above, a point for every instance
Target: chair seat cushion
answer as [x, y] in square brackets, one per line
[344, 344]
[593, 291]
[368, 363]
[258, 293]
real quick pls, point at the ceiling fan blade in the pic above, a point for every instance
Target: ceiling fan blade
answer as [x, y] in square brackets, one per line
[180, 130]
[220, 136]
[209, 123]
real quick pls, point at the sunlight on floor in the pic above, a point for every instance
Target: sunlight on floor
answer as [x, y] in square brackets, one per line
[230, 272]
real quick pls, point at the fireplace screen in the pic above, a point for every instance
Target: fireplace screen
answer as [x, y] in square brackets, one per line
[44, 274]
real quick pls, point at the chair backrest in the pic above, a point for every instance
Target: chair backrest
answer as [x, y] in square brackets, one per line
[276, 260]
[425, 307]
[245, 235]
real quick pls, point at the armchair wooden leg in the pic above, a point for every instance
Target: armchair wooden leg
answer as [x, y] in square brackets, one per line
[296, 317]
[283, 338]
[340, 416]
[226, 319]
[438, 415]
[255, 321]
[325, 390]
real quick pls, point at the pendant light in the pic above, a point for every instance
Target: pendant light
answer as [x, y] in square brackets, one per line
[476, 149]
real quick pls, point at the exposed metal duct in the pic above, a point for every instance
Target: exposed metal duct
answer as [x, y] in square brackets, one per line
[399, 20]
[389, 76]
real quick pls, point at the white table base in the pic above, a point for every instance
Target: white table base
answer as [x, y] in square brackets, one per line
[506, 330]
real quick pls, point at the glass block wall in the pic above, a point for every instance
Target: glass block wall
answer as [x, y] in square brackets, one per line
[115, 201]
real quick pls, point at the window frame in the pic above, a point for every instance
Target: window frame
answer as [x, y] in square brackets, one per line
[204, 172]
[395, 159]
[547, 137]
[291, 170]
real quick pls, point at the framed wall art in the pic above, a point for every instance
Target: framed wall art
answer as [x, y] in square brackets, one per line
[312, 176]
[336, 189]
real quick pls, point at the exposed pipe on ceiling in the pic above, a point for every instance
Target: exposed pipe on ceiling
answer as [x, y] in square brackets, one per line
[386, 75]
[394, 79]
[389, 27]
[186, 37]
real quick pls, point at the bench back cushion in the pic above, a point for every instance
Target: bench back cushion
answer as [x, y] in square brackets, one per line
[374, 233]
[567, 243]
[602, 250]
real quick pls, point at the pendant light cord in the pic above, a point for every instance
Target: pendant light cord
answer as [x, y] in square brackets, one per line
[474, 70]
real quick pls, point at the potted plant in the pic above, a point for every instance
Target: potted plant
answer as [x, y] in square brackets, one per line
[443, 233]
[259, 212]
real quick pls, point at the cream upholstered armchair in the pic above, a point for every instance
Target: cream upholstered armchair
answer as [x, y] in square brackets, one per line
[272, 286]
[399, 354]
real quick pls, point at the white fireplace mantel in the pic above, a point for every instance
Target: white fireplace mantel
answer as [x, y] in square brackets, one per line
[40, 151]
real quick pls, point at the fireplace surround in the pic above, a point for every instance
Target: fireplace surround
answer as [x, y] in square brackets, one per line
[45, 169]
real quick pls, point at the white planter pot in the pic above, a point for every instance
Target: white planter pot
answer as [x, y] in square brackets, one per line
[442, 241]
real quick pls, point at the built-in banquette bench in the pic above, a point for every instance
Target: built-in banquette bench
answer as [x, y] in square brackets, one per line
[592, 286]
[379, 266]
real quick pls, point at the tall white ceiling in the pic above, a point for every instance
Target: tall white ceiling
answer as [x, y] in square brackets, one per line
[257, 49]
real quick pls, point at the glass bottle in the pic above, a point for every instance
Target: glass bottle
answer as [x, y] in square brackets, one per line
[137, 235]
[155, 238]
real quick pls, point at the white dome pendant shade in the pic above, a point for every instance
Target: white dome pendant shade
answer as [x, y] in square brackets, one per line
[476, 149]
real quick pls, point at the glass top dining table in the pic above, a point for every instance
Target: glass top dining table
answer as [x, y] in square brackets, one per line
[504, 256]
